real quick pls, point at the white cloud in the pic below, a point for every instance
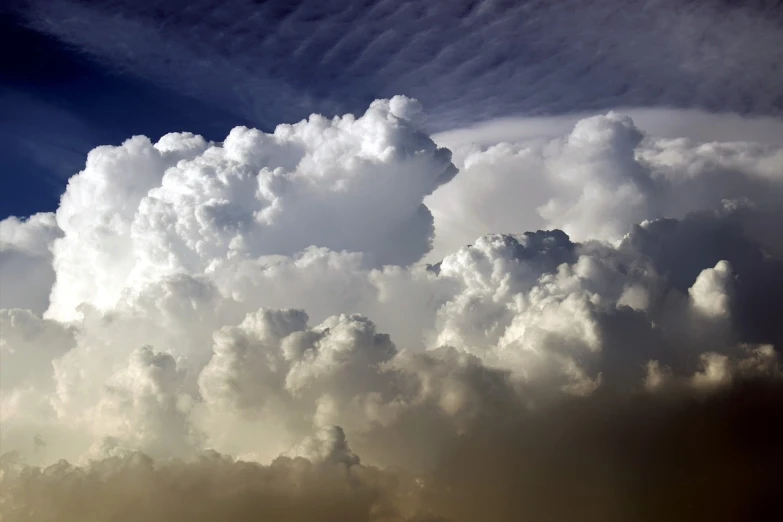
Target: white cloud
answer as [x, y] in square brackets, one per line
[143, 408]
[140, 211]
[96, 214]
[710, 292]
[328, 444]
[29, 344]
[597, 176]
[234, 296]
[26, 274]
[698, 126]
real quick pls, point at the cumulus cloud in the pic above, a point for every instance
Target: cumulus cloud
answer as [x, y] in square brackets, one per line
[253, 309]
[29, 345]
[26, 274]
[710, 291]
[141, 211]
[595, 180]
[272, 366]
[143, 408]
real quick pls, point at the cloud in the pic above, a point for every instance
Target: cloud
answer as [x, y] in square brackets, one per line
[596, 179]
[518, 320]
[328, 444]
[710, 291]
[253, 311]
[211, 487]
[467, 61]
[638, 459]
[696, 125]
[144, 408]
[273, 367]
[29, 345]
[26, 274]
[146, 210]
[642, 458]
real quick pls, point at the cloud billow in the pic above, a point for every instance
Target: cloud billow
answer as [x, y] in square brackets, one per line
[243, 330]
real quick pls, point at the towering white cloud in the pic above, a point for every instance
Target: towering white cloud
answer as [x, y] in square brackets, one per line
[257, 298]
[95, 216]
[142, 211]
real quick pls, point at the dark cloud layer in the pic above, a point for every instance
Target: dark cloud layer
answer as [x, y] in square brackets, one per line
[691, 458]
[681, 249]
[714, 457]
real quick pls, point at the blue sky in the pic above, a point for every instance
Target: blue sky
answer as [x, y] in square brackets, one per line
[78, 74]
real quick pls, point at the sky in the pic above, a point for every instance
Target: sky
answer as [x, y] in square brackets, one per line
[81, 74]
[391, 261]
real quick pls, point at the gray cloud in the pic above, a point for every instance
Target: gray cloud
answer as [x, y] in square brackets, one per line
[639, 458]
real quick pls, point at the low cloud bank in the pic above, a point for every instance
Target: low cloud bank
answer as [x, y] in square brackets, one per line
[679, 457]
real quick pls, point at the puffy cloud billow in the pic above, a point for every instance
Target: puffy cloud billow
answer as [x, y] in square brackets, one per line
[246, 329]
[598, 180]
